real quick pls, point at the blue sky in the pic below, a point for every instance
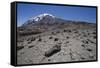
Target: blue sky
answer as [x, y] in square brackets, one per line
[26, 11]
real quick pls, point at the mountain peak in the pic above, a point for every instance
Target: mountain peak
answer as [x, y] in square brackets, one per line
[41, 16]
[44, 18]
[45, 14]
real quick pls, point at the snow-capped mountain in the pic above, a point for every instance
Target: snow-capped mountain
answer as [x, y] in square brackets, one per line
[43, 19]
[41, 16]
[47, 22]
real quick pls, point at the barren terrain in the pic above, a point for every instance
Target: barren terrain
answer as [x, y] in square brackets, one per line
[64, 43]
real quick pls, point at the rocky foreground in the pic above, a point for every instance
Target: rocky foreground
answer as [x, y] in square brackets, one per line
[59, 44]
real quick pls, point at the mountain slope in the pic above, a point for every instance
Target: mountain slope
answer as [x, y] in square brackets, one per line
[45, 22]
[43, 19]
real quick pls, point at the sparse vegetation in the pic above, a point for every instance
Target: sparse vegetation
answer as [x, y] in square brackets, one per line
[76, 32]
[91, 41]
[39, 39]
[50, 37]
[94, 33]
[67, 31]
[94, 37]
[28, 39]
[29, 42]
[32, 39]
[59, 43]
[71, 56]
[26, 33]
[88, 33]
[31, 46]
[67, 37]
[91, 57]
[53, 33]
[67, 41]
[56, 39]
[71, 41]
[49, 59]
[82, 58]
[20, 47]
[83, 45]
[85, 35]
[89, 49]
[58, 32]
[85, 41]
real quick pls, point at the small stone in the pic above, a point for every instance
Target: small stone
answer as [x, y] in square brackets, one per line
[82, 58]
[32, 39]
[50, 37]
[89, 49]
[56, 39]
[67, 37]
[49, 59]
[40, 39]
[29, 42]
[83, 45]
[31, 46]
[20, 47]
[52, 50]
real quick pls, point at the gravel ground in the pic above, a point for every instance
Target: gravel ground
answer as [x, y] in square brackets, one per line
[59, 45]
